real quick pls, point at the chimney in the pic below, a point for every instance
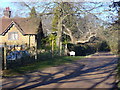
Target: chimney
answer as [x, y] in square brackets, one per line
[7, 12]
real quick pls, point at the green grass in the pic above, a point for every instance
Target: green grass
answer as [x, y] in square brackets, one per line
[41, 64]
[118, 71]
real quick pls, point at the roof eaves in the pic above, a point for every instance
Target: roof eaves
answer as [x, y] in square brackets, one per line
[9, 26]
[20, 29]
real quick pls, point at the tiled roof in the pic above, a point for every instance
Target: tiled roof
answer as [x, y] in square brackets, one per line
[27, 25]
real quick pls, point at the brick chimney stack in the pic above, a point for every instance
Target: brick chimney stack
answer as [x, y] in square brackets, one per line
[7, 12]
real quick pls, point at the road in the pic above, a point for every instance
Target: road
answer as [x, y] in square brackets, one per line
[96, 71]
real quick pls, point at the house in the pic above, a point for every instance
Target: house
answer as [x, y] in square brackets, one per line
[18, 31]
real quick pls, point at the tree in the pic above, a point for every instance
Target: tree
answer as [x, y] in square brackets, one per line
[72, 20]
[33, 13]
[38, 21]
[111, 33]
[66, 22]
[40, 34]
[63, 19]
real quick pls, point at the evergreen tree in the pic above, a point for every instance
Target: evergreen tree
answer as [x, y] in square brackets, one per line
[63, 16]
[33, 12]
[61, 10]
[38, 21]
[40, 34]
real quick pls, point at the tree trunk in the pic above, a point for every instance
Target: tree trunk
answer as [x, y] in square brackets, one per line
[66, 51]
[5, 59]
[59, 35]
[60, 48]
[52, 48]
[73, 39]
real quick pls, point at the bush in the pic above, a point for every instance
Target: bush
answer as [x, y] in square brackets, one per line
[104, 46]
[81, 49]
[88, 48]
[84, 49]
[70, 46]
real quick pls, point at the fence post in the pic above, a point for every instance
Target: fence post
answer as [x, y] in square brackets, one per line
[5, 59]
[36, 57]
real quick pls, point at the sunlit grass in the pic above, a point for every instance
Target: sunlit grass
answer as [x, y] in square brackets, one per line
[41, 64]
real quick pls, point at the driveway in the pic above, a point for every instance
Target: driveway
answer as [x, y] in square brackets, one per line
[96, 71]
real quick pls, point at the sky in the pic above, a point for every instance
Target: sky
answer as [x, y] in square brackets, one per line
[57, 0]
[12, 6]
[15, 7]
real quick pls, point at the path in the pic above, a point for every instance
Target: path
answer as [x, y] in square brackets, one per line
[96, 71]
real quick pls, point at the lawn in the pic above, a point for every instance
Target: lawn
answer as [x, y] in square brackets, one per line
[41, 64]
[118, 71]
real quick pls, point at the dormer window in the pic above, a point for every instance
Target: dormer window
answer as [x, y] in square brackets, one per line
[13, 36]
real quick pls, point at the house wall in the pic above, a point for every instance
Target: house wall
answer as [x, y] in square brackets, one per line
[21, 40]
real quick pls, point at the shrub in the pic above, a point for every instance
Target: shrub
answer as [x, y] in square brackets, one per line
[84, 49]
[104, 46]
[81, 49]
[70, 46]
[88, 48]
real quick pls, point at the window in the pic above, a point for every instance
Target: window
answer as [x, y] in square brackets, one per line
[13, 36]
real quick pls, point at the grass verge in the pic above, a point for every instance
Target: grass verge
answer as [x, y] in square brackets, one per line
[118, 72]
[41, 64]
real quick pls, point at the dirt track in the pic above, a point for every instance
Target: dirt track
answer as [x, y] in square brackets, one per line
[96, 71]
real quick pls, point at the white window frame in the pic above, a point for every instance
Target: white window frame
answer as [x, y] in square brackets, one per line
[13, 36]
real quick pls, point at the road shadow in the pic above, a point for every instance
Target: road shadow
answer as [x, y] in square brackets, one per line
[66, 74]
[104, 54]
